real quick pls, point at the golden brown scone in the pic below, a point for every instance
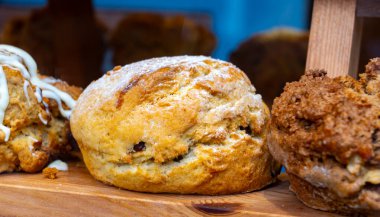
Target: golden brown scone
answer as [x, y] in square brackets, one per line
[141, 36]
[32, 143]
[326, 132]
[271, 59]
[186, 124]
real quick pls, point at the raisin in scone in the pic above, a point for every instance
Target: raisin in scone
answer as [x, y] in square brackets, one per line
[326, 132]
[186, 124]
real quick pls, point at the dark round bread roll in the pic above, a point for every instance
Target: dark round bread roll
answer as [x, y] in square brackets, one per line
[140, 36]
[271, 59]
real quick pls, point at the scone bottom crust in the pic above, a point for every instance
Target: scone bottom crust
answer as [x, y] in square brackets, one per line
[325, 131]
[187, 124]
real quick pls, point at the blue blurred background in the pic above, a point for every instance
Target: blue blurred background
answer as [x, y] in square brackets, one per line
[231, 20]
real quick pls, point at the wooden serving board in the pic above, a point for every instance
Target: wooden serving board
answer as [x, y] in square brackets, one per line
[76, 193]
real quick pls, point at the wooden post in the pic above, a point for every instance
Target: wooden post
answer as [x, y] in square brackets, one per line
[335, 37]
[77, 41]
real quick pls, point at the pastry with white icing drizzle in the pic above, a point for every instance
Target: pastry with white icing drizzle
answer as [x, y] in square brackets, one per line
[34, 112]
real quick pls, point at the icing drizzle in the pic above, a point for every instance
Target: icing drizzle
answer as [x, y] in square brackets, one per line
[26, 84]
[18, 59]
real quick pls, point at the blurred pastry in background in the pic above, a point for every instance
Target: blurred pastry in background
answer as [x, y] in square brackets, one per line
[271, 59]
[141, 36]
[326, 132]
[34, 112]
[33, 34]
[67, 42]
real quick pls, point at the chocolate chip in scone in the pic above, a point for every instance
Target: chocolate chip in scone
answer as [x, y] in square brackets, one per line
[247, 129]
[178, 158]
[139, 147]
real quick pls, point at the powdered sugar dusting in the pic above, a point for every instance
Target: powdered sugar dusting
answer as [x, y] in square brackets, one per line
[114, 81]
[222, 77]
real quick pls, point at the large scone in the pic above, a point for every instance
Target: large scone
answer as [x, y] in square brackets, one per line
[326, 132]
[186, 124]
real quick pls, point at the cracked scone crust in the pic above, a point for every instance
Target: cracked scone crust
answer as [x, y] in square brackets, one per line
[326, 132]
[182, 124]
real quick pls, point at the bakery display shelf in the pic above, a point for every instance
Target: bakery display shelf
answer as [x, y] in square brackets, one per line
[76, 193]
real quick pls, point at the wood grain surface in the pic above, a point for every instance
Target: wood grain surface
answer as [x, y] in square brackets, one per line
[76, 193]
[335, 37]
